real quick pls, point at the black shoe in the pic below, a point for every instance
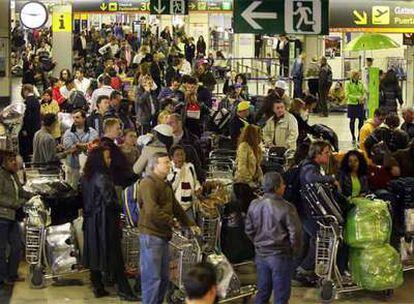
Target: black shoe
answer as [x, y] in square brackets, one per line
[128, 297]
[100, 293]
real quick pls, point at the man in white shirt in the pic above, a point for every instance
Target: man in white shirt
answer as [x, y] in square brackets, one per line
[67, 88]
[105, 89]
[82, 83]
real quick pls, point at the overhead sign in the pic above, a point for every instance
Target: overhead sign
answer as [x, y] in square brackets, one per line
[282, 16]
[372, 16]
[62, 18]
[210, 5]
[169, 7]
[111, 6]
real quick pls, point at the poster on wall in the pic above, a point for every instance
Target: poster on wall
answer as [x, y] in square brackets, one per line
[332, 47]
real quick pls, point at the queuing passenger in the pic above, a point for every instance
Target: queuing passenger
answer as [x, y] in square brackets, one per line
[393, 138]
[200, 284]
[240, 121]
[12, 198]
[408, 124]
[193, 114]
[355, 96]
[312, 74]
[102, 247]
[50, 106]
[162, 140]
[173, 91]
[353, 175]
[104, 90]
[183, 179]
[173, 71]
[369, 127]
[297, 75]
[281, 130]
[201, 47]
[81, 82]
[31, 122]
[167, 108]
[274, 227]
[390, 92]
[405, 159]
[45, 148]
[77, 138]
[122, 174]
[129, 147]
[146, 106]
[311, 171]
[325, 83]
[248, 174]
[96, 119]
[205, 76]
[190, 49]
[158, 207]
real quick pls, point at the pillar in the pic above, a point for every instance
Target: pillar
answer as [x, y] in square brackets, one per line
[5, 77]
[62, 37]
[409, 55]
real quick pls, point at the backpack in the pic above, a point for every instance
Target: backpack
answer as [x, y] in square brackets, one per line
[77, 100]
[130, 206]
[292, 181]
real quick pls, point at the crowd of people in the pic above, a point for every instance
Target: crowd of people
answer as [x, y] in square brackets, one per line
[152, 131]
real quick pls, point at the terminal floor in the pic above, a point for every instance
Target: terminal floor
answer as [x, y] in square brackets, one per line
[22, 294]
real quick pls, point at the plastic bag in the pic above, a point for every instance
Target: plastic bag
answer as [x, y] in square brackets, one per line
[368, 223]
[376, 268]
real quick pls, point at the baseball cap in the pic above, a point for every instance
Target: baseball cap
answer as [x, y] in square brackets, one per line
[281, 85]
[243, 106]
[164, 129]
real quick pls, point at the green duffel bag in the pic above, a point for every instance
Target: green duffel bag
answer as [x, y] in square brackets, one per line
[368, 223]
[376, 268]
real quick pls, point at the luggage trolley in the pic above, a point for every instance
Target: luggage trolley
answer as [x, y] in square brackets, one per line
[327, 214]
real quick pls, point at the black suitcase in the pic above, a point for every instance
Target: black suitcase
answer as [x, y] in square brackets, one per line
[403, 190]
[321, 201]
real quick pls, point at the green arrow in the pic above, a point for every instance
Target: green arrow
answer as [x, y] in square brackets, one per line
[103, 6]
[361, 19]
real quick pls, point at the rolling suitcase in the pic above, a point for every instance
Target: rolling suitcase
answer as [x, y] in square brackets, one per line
[403, 189]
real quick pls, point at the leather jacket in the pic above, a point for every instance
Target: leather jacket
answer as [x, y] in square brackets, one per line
[274, 227]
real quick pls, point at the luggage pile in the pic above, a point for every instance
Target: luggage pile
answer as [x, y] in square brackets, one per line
[374, 264]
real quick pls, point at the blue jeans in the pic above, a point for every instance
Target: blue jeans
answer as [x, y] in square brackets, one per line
[154, 264]
[274, 273]
[9, 235]
[310, 228]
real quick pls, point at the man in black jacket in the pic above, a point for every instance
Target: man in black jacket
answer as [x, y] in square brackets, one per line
[274, 227]
[96, 119]
[122, 174]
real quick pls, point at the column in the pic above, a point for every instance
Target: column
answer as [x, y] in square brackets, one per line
[5, 77]
[62, 37]
[409, 55]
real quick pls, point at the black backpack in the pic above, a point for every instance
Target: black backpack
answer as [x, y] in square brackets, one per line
[292, 181]
[77, 100]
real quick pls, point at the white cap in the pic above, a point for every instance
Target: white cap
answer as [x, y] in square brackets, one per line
[164, 129]
[281, 84]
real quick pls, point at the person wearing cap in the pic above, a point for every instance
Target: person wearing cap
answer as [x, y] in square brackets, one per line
[281, 130]
[274, 227]
[162, 140]
[240, 121]
[281, 89]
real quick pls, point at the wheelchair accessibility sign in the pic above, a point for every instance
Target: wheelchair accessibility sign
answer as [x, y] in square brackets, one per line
[303, 17]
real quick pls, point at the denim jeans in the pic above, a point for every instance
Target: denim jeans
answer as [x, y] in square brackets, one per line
[274, 273]
[310, 227]
[9, 235]
[154, 264]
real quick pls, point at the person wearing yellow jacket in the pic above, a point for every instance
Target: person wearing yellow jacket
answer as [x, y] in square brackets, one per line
[355, 97]
[50, 106]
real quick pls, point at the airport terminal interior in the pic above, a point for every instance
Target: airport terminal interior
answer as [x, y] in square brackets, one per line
[206, 151]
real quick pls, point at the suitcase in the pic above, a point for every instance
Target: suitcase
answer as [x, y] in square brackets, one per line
[403, 189]
[321, 202]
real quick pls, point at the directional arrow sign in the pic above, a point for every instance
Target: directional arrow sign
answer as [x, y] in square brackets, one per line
[250, 15]
[103, 6]
[281, 16]
[159, 8]
[360, 19]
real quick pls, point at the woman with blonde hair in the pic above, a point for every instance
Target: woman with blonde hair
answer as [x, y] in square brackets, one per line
[248, 175]
[355, 99]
